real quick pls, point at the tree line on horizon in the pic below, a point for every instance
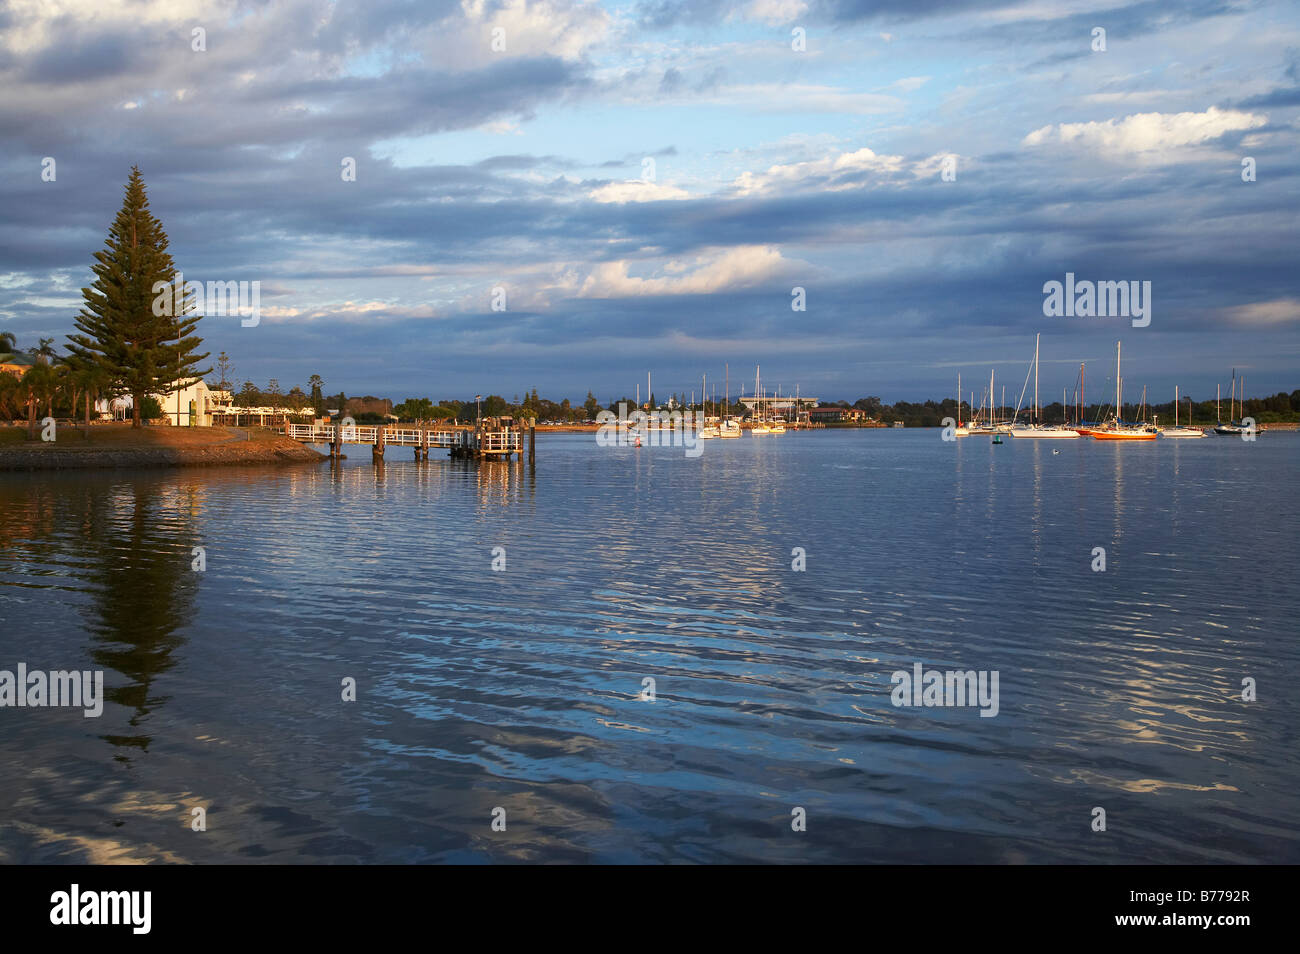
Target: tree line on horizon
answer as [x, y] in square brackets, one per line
[1278, 408]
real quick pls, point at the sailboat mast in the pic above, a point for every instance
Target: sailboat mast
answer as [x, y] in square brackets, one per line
[1117, 406]
[1083, 401]
[1175, 406]
[1038, 412]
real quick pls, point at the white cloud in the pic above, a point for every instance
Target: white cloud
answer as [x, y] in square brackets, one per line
[775, 12]
[745, 266]
[636, 190]
[1278, 311]
[848, 170]
[908, 84]
[1151, 134]
[563, 28]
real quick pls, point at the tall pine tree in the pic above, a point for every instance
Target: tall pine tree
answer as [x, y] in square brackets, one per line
[140, 352]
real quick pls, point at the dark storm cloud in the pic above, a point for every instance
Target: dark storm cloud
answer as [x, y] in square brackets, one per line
[667, 13]
[1123, 20]
[76, 58]
[1274, 98]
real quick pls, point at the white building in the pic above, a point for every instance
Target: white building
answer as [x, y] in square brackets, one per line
[190, 406]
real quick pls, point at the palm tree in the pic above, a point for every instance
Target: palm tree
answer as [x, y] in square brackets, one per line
[45, 350]
[40, 385]
[7, 342]
[10, 389]
[92, 382]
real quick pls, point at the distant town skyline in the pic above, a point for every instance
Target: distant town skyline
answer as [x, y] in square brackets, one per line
[565, 196]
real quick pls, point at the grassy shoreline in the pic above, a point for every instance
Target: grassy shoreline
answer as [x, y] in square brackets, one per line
[118, 445]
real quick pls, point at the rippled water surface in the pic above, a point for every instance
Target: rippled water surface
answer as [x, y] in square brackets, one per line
[519, 689]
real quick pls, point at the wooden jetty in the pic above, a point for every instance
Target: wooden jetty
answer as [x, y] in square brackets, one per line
[481, 443]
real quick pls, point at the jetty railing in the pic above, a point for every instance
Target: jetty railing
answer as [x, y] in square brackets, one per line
[461, 442]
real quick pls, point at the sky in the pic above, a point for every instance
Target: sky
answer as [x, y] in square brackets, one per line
[641, 186]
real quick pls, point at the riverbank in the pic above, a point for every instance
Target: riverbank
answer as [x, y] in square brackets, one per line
[118, 445]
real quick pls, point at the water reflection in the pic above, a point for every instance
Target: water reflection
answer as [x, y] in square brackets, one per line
[140, 538]
[122, 549]
[520, 688]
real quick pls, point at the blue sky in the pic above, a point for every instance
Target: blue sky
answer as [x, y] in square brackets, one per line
[526, 169]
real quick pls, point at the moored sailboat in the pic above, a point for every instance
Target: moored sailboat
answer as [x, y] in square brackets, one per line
[961, 430]
[1176, 430]
[729, 427]
[1233, 428]
[706, 430]
[1038, 429]
[1115, 429]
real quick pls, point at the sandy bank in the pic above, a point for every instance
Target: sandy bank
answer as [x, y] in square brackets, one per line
[119, 446]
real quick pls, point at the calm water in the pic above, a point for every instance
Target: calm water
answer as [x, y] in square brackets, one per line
[519, 689]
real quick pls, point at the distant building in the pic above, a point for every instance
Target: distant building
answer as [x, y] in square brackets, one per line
[776, 403]
[15, 364]
[369, 405]
[836, 415]
[263, 416]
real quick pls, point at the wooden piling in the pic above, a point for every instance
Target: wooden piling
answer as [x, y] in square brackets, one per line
[532, 444]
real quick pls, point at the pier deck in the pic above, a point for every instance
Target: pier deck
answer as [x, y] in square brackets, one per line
[475, 444]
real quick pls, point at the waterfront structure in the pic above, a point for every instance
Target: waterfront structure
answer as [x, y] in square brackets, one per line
[15, 364]
[190, 405]
[835, 415]
[489, 440]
